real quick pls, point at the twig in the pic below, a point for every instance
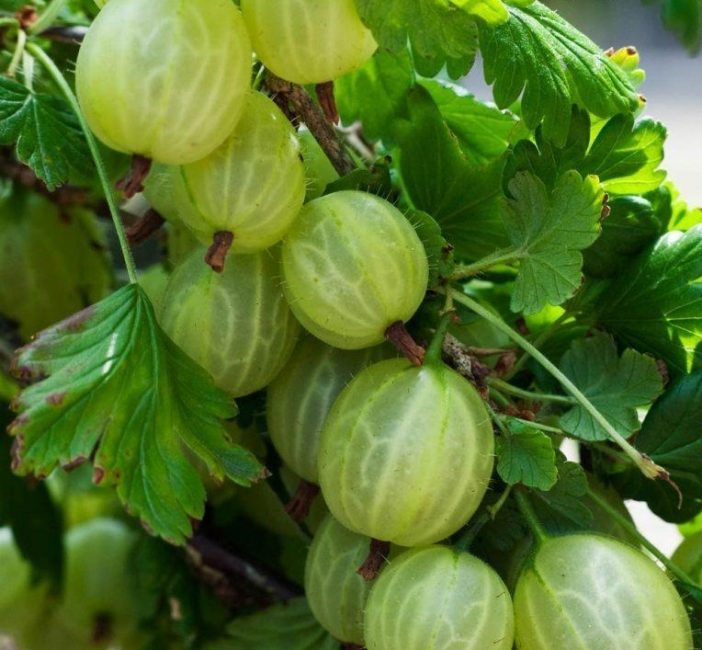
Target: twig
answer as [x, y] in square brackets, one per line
[212, 555]
[313, 116]
[65, 34]
[23, 175]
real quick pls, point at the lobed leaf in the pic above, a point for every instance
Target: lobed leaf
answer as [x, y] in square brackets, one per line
[548, 232]
[526, 455]
[45, 132]
[540, 57]
[440, 32]
[617, 386]
[655, 306]
[113, 388]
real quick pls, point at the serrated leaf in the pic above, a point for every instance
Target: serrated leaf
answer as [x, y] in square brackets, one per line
[376, 94]
[617, 386]
[492, 12]
[548, 232]
[484, 132]
[439, 180]
[626, 156]
[526, 455]
[655, 305]
[631, 226]
[112, 387]
[440, 33]
[36, 522]
[562, 508]
[670, 435]
[45, 131]
[542, 58]
[289, 626]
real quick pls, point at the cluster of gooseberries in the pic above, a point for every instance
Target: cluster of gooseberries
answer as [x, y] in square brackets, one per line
[401, 450]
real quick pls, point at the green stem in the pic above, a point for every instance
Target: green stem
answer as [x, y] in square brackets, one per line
[17, 54]
[537, 343]
[528, 513]
[630, 528]
[68, 93]
[48, 17]
[464, 271]
[471, 531]
[436, 346]
[645, 464]
[498, 397]
[540, 426]
[6, 21]
[525, 394]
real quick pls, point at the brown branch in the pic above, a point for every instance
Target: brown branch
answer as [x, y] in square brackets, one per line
[377, 557]
[23, 175]
[235, 569]
[313, 116]
[65, 34]
[464, 362]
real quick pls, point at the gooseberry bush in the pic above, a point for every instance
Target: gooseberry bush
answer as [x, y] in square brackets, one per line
[302, 347]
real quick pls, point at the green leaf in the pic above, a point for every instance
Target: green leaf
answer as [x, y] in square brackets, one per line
[376, 94]
[526, 455]
[626, 156]
[617, 386]
[36, 522]
[484, 133]
[114, 388]
[655, 306]
[562, 508]
[289, 626]
[548, 231]
[45, 131]
[539, 54]
[631, 227]
[492, 12]
[684, 19]
[439, 251]
[439, 180]
[670, 435]
[439, 31]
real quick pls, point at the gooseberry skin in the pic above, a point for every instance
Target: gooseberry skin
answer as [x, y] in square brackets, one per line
[308, 41]
[353, 266]
[237, 324]
[336, 593]
[318, 168]
[437, 598]
[253, 185]
[406, 453]
[588, 591]
[165, 79]
[301, 396]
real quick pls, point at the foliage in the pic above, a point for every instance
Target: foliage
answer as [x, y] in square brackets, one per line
[534, 245]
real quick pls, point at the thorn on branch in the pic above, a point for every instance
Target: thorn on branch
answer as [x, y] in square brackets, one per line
[217, 253]
[144, 227]
[133, 182]
[309, 112]
[299, 506]
[398, 335]
[377, 557]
